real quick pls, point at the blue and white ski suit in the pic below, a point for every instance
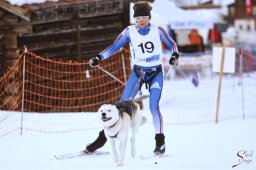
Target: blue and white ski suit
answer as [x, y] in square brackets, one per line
[145, 47]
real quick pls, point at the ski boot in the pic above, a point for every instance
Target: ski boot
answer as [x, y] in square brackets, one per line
[160, 144]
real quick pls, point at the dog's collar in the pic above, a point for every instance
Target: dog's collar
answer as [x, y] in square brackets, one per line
[114, 129]
[114, 124]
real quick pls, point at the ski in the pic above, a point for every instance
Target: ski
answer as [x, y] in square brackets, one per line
[80, 153]
[145, 157]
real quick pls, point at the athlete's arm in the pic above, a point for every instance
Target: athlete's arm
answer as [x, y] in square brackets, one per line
[169, 42]
[120, 41]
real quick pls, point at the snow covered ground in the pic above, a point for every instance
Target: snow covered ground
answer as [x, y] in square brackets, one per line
[193, 140]
[200, 146]
[194, 147]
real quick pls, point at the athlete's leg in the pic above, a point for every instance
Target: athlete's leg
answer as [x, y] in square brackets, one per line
[155, 95]
[129, 90]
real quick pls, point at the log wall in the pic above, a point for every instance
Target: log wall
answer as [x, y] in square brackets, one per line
[66, 30]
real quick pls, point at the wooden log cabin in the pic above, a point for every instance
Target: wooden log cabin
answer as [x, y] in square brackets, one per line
[66, 29]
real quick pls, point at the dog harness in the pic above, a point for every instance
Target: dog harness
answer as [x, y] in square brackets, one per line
[125, 106]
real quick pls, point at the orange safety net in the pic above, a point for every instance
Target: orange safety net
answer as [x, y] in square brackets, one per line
[46, 85]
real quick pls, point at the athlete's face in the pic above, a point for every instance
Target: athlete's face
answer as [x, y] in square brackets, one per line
[142, 21]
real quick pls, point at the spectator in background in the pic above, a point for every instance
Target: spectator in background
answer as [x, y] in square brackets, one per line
[214, 36]
[196, 41]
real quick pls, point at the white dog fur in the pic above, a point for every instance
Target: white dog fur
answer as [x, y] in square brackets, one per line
[116, 127]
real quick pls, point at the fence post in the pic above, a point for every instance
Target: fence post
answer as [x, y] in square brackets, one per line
[241, 78]
[220, 81]
[23, 87]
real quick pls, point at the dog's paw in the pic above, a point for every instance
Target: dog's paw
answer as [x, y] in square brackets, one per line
[120, 163]
[133, 150]
[115, 158]
[133, 156]
[133, 153]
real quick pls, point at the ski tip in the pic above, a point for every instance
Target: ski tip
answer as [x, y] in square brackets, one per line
[56, 157]
[145, 157]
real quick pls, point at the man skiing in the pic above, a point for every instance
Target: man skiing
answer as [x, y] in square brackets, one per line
[145, 46]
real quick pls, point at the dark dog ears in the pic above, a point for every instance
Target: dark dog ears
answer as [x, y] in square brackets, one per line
[119, 105]
[126, 106]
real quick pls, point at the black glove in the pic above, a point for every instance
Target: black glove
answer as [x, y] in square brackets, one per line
[174, 59]
[94, 62]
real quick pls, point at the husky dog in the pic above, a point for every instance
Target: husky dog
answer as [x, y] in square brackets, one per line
[116, 120]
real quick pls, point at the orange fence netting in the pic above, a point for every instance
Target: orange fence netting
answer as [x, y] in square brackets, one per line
[36, 84]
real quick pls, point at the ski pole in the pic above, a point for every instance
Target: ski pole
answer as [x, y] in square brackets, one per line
[111, 75]
[169, 70]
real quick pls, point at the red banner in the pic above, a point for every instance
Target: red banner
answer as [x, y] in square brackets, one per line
[249, 7]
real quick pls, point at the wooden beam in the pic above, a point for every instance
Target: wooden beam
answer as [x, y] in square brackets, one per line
[18, 11]
[201, 6]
